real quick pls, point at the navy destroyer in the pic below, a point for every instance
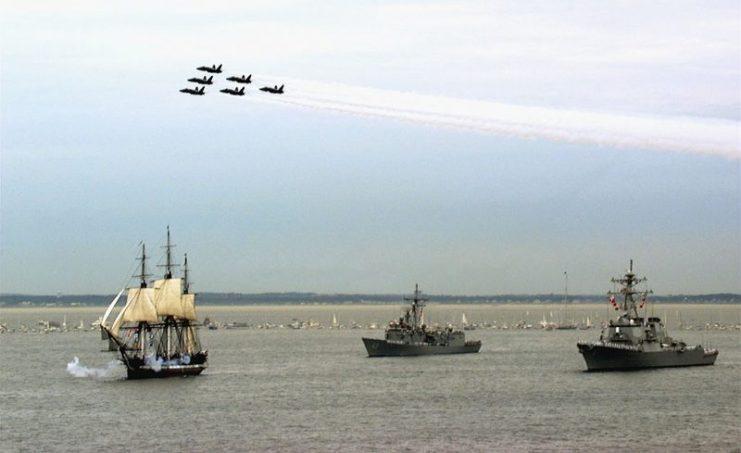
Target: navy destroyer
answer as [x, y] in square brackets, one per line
[635, 342]
[156, 330]
[409, 336]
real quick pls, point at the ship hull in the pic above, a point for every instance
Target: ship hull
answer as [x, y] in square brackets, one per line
[164, 371]
[136, 368]
[600, 357]
[383, 348]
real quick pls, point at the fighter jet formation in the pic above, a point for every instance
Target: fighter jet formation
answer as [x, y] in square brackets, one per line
[236, 91]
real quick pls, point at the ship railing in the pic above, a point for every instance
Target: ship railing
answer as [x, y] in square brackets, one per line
[610, 345]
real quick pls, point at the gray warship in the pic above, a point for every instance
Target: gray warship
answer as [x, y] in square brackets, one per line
[635, 342]
[409, 336]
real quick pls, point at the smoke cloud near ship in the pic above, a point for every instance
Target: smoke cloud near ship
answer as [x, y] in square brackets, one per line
[696, 135]
[75, 369]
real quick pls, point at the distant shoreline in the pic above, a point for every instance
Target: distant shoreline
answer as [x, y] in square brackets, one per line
[293, 298]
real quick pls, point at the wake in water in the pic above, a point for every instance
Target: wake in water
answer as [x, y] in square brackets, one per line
[695, 135]
[75, 369]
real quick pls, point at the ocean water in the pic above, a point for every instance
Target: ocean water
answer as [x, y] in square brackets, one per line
[316, 390]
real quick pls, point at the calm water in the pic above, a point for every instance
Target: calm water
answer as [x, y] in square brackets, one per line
[315, 390]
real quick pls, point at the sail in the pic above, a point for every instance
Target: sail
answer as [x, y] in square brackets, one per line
[110, 307]
[140, 306]
[167, 294]
[464, 321]
[188, 306]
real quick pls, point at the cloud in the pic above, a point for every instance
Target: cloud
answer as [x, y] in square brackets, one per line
[667, 133]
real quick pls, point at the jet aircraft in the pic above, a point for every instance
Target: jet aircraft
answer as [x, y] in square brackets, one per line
[204, 81]
[235, 92]
[196, 92]
[274, 90]
[242, 79]
[213, 69]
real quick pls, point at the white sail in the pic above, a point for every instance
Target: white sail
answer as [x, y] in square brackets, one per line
[334, 320]
[188, 304]
[167, 299]
[110, 308]
[464, 321]
[140, 306]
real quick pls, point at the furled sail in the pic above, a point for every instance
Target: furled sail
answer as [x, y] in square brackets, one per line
[167, 294]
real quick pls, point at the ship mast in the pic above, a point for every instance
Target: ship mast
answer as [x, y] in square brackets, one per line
[566, 298]
[143, 269]
[628, 282]
[168, 256]
[418, 304]
[186, 282]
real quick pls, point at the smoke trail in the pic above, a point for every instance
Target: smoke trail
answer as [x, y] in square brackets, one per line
[75, 369]
[688, 134]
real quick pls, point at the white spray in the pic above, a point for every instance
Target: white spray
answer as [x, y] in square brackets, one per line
[75, 369]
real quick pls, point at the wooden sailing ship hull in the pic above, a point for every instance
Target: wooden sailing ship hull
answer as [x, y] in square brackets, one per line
[605, 357]
[164, 372]
[383, 348]
[136, 368]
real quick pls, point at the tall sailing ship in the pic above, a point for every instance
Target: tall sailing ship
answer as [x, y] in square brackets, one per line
[409, 336]
[156, 331]
[634, 342]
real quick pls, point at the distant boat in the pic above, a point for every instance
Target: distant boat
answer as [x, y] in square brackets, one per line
[156, 331]
[565, 323]
[465, 325]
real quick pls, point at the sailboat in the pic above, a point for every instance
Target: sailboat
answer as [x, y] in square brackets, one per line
[465, 325]
[335, 323]
[565, 324]
[156, 331]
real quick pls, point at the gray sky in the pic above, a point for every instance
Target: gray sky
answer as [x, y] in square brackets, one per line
[473, 147]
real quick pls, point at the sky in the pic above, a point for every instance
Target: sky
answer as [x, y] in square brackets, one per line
[473, 147]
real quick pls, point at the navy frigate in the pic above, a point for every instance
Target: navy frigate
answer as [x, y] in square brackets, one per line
[409, 336]
[635, 342]
[156, 330]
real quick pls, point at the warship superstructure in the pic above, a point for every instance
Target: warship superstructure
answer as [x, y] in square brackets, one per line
[409, 336]
[156, 331]
[635, 342]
